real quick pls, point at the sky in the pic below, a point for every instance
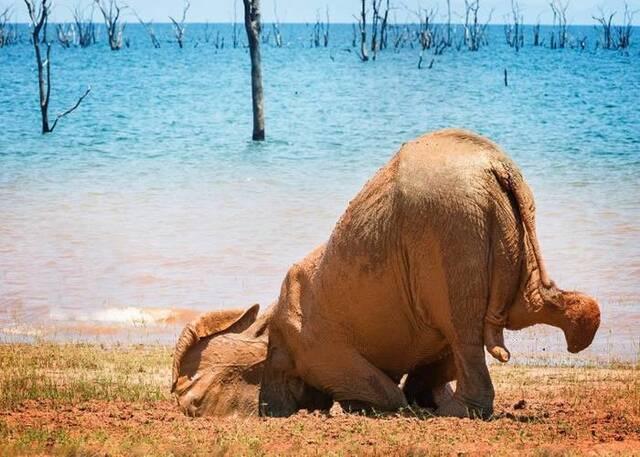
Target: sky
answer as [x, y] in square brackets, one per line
[579, 11]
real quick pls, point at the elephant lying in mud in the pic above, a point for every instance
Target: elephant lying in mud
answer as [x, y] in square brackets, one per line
[434, 256]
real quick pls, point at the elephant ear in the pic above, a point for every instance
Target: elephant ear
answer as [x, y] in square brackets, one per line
[216, 322]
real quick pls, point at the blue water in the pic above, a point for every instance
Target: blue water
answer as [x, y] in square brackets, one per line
[152, 197]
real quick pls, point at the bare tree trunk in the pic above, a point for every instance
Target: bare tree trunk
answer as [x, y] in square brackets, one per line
[253, 27]
[362, 23]
[39, 16]
[111, 13]
[383, 27]
[448, 22]
[375, 19]
[606, 28]
[148, 26]
[326, 30]
[235, 24]
[178, 27]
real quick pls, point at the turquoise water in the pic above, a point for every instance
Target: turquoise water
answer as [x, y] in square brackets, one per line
[151, 196]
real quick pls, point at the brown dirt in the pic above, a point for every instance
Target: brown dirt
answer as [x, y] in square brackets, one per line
[539, 411]
[528, 426]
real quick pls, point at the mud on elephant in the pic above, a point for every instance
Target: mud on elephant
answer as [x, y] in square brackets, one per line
[438, 252]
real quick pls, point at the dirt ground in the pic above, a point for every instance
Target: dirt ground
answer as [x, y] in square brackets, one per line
[92, 400]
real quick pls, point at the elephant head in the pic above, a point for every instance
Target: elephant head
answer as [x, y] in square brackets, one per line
[575, 313]
[218, 362]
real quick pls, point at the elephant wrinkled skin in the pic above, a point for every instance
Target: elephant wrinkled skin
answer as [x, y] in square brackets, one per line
[434, 256]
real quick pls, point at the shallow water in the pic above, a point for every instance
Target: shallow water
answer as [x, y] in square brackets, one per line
[151, 197]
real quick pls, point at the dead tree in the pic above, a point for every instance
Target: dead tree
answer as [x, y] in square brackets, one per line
[375, 20]
[178, 27]
[277, 35]
[362, 24]
[8, 32]
[605, 21]
[449, 38]
[559, 10]
[85, 28]
[148, 27]
[384, 25]
[111, 13]
[38, 15]
[536, 33]
[474, 32]
[326, 29]
[235, 24]
[253, 28]
[623, 32]
[317, 31]
[513, 32]
[425, 33]
[65, 35]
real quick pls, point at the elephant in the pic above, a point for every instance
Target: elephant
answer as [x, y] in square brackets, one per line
[218, 362]
[430, 261]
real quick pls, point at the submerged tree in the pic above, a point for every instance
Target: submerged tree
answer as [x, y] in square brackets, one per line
[235, 24]
[148, 27]
[605, 22]
[536, 33]
[277, 35]
[178, 27]
[253, 28]
[85, 28]
[559, 10]
[362, 24]
[513, 32]
[39, 16]
[8, 32]
[474, 32]
[111, 14]
[624, 31]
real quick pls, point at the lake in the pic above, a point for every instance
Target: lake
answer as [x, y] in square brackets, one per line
[150, 203]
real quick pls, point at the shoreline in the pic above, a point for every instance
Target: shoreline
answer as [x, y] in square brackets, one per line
[95, 399]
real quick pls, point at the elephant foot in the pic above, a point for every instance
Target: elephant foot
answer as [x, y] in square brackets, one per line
[452, 407]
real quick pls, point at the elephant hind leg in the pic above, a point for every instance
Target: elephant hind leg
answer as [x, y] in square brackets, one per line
[354, 382]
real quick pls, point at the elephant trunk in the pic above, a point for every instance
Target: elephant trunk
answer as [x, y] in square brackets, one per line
[578, 316]
[575, 313]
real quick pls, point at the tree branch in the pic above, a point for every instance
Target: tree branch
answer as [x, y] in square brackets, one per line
[70, 110]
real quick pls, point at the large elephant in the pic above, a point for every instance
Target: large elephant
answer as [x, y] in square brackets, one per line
[436, 253]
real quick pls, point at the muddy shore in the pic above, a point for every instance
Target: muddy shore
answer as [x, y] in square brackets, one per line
[70, 399]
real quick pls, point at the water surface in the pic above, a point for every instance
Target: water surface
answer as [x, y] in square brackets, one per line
[150, 197]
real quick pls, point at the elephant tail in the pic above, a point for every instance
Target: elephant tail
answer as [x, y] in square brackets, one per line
[513, 183]
[208, 324]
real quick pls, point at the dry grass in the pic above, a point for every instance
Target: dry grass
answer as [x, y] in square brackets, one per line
[76, 399]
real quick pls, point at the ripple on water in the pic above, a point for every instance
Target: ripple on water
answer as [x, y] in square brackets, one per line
[152, 197]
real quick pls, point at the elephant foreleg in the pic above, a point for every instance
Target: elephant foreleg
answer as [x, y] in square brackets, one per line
[354, 382]
[474, 390]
